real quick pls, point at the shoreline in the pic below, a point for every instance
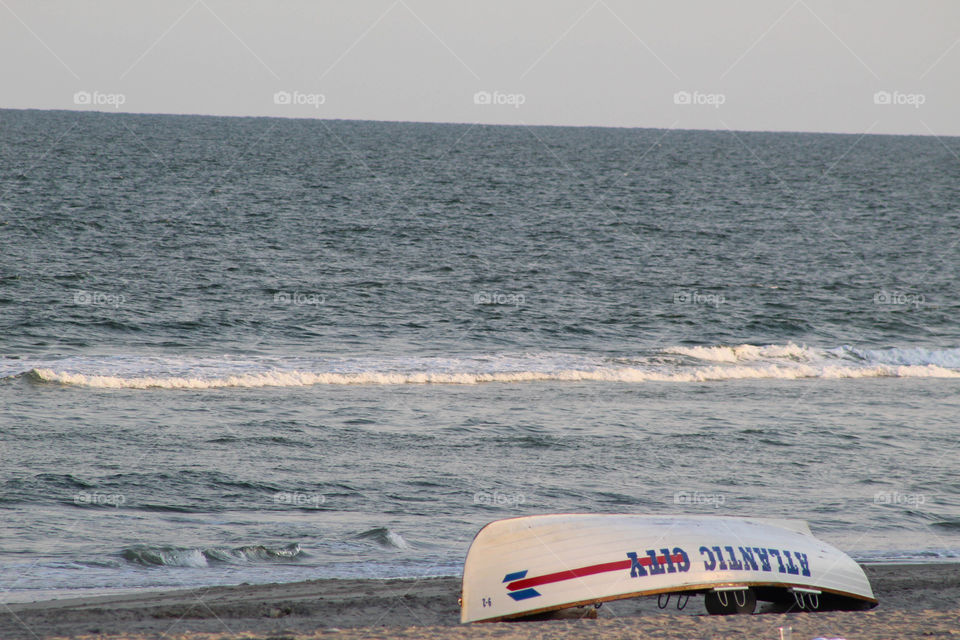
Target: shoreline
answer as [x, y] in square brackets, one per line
[916, 600]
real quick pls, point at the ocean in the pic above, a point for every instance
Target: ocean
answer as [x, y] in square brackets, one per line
[265, 350]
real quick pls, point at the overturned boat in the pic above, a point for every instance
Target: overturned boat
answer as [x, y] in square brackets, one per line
[534, 565]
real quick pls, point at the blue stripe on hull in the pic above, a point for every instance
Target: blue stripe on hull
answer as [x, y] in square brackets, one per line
[516, 575]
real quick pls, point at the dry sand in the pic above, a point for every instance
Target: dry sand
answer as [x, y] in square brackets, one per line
[916, 601]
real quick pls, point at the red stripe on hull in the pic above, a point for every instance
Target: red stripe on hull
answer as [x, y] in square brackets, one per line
[570, 574]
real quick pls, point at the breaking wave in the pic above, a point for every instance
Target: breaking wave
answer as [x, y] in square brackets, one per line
[384, 537]
[298, 378]
[746, 352]
[196, 557]
[674, 364]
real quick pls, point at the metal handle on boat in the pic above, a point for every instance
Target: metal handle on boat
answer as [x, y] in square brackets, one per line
[682, 600]
[806, 598]
[737, 595]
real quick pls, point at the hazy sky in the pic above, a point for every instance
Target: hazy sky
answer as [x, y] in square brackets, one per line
[797, 65]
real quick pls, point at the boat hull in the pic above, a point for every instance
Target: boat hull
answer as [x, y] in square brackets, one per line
[530, 565]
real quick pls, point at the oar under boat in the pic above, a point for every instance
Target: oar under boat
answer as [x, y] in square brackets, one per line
[535, 565]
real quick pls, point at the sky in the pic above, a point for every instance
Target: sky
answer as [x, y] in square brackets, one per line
[846, 66]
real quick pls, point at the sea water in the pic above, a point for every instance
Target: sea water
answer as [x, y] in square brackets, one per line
[256, 350]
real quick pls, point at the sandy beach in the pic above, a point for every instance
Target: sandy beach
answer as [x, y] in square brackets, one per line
[916, 601]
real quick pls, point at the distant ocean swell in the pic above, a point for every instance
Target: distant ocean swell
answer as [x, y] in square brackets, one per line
[674, 364]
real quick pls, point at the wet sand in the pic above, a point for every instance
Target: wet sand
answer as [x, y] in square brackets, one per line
[916, 601]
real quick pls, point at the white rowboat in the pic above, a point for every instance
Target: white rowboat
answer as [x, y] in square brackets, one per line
[538, 564]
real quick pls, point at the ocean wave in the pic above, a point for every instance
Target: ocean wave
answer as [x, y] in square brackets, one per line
[888, 556]
[748, 352]
[201, 557]
[384, 537]
[626, 375]
[948, 358]
[673, 364]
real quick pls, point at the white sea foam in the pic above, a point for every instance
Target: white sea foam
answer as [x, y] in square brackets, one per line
[600, 374]
[673, 364]
[748, 352]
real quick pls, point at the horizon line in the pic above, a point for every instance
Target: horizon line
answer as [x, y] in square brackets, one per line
[477, 123]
